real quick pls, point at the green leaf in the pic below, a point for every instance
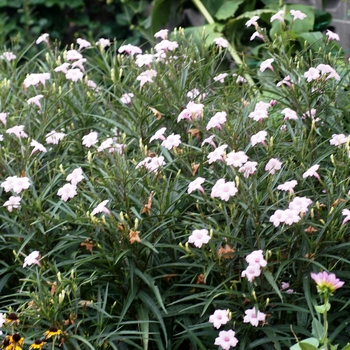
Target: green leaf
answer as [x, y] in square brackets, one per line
[313, 39]
[322, 308]
[306, 344]
[317, 329]
[143, 315]
[273, 284]
[209, 32]
[346, 347]
[228, 9]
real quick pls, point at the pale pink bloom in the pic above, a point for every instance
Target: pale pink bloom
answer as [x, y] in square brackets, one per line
[79, 64]
[36, 78]
[310, 114]
[253, 317]
[252, 21]
[196, 185]
[17, 184]
[62, 68]
[300, 204]
[9, 56]
[152, 163]
[72, 55]
[240, 79]
[284, 285]
[260, 111]
[209, 140]
[259, 137]
[37, 147]
[91, 84]
[101, 208]
[289, 114]
[221, 77]
[226, 339]
[54, 137]
[74, 74]
[196, 93]
[291, 217]
[102, 43]
[171, 141]
[312, 74]
[217, 120]
[297, 15]
[219, 318]
[256, 257]
[2, 320]
[223, 190]
[285, 81]
[144, 60]
[221, 42]
[199, 237]
[90, 139]
[325, 69]
[32, 258]
[266, 64]
[13, 203]
[130, 49]
[217, 154]
[146, 77]
[159, 135]
[106, 144]
[163, 34]
[42, 38]
[75, 176]
[236, 159]
[331, 35]
[252, 271]
[248, 168]
[83, 43]
[35, 100]
[3, 117]
[278, 217]
[126, 98]
[257, 35]
[67, 191]
[278, 16]
[312, 172]
[345, 212]
[273, 165]
[192, 111]
[17, 131]
[166, 45]
[326, 281]
[288, 186]
[7, 184]
[1, 137]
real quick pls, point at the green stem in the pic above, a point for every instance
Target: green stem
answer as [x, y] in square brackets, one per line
[231, 48]
[325, 325]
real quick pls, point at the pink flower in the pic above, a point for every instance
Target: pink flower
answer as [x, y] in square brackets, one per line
[297, 15]
[288, 186]
[312, 74]
[152, 163]
[75, 176]
[278, 217]
[9, 56]
[291, 217]
[345, 212]
[166, 45]
[257, 35]
[171, 141]
[159, 135]
[331, 35]
[266, 64]
[209, 140]
[223, 190]
[258, 138]
[37, 147]
[252, 271]
[248, 168]
[196, 185]
[285, 285]
[146, 76]
[253, 317]
[312, 172]
[192, 111]
[106, 144]
[285, 81]
[217, 154]
[278, 16]
[221, 77]
[325, 69]
[289, 114]
[72, 55]
[79, 64]
[17, 131]
[54, 137]
[221, 42]
[83, 43]
[273, 165]
[199, 237]
[3, 117]
[32, 258]
[101, 208]
[300, 204]
[17, 184]
[326, 283]
[256, 257]
[236, 159]
[35, 100]
[126, 98]
[219, 318]
[62, 68]
[195, 93]
[102, 43]
[67, 191]
[163, 34]
[217, 120]
[260, 111]
[90, 139]
[144, 60]
[36, 78]
[42, 38]
[252, 21]
[226, 339]
[74, 74]
[339, 139]
[13, 202]
[130, 49]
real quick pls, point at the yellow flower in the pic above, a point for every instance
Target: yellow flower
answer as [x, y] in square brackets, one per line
[13, 342]
[12, 319]
[38, 344]
[52, 332]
